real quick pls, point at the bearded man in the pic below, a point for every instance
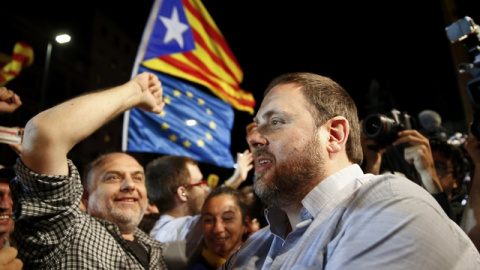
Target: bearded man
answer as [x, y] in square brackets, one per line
[325, 213]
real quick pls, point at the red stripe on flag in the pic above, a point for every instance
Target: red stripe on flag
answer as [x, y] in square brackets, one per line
[214, 57]
[21, 58]
[209, 29]
[212, 33]
[193, 72]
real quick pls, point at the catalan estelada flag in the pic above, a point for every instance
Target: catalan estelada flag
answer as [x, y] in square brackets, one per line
[200, 77]
[186, 43]
[22, 57]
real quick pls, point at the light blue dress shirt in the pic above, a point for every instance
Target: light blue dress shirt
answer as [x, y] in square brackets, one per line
[353, 220]
[182, 238]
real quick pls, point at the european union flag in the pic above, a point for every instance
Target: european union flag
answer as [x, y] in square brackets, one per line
[182, 44]
[193, 123]
[182, 40]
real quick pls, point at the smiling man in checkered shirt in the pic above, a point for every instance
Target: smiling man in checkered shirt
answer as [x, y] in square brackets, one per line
[50, 230]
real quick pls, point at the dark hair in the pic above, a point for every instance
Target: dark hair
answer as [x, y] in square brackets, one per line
[327, 99]
[163, 176]
[255, 206]
[93, 165]
[6, 174]
[236, 194]
[453, 153]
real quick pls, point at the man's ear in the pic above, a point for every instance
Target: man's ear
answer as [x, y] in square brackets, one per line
[84, 200]
[339, 129]
[182, 193]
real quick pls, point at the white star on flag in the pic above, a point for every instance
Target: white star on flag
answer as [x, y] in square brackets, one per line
[175, 28]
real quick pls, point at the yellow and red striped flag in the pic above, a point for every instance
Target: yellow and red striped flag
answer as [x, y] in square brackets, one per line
[22, 57]
[182, 45]
[200, 53]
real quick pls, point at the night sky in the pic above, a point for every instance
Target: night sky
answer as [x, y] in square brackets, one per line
[397, 53]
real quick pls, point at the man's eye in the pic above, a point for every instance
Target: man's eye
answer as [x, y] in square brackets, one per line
[112, 177]
[138, 178]
[275, 122]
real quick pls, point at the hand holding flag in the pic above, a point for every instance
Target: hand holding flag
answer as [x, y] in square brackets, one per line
[184, 48]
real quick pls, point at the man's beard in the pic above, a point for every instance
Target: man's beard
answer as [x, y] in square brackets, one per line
[291, 180]
[193, 207]
[126, 222]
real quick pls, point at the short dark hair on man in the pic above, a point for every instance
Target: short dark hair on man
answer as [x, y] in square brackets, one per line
[327, 99]
[453, 153]
[6, 174]
[163, 176]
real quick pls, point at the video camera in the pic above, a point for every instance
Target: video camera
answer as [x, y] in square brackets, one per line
[383, 128]
[466, 31]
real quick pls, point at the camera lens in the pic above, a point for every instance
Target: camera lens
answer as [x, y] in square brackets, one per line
[377, 126]
[381, 128]
[372, 126]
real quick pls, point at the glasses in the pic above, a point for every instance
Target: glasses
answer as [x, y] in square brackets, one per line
[203, 182]
[442, 170]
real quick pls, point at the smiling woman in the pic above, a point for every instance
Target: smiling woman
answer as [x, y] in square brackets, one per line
[225, 225]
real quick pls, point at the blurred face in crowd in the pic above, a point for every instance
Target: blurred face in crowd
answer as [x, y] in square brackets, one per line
[6, 204]
[117, 192]
[197, 190]
[285, 146]
[444, 168]
[223, 225]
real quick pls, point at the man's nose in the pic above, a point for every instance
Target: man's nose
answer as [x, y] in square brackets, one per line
[5, 204]
[255, 138]
[128, 183]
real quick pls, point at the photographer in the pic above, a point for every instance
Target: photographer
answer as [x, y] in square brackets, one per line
[418, 153]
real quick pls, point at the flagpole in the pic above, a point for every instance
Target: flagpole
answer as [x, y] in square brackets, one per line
[43, 90]
[147, 32]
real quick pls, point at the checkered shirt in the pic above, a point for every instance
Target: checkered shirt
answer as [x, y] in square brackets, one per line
[52, 233]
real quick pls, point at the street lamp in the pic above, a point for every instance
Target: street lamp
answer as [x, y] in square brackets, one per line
[61, 39]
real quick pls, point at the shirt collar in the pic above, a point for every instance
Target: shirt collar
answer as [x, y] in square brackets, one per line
[323, 194]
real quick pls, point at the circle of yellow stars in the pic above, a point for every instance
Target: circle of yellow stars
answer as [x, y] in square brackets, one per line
[173, 137]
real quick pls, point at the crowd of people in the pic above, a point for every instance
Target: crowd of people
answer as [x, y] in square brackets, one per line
[323, 196]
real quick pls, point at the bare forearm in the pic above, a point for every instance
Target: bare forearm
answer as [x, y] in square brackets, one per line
[431, 182]
[244, 165]
[50, 135]
[56, 130]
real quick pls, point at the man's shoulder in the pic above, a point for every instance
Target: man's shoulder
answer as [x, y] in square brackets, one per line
[167, 220]
[262, 237]
[168, 228]
[256, 246]
[145, 238]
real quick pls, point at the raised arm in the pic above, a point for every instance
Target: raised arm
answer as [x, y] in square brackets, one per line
[51, 134]
[9, 101]
[420, 155]
[244, 165]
